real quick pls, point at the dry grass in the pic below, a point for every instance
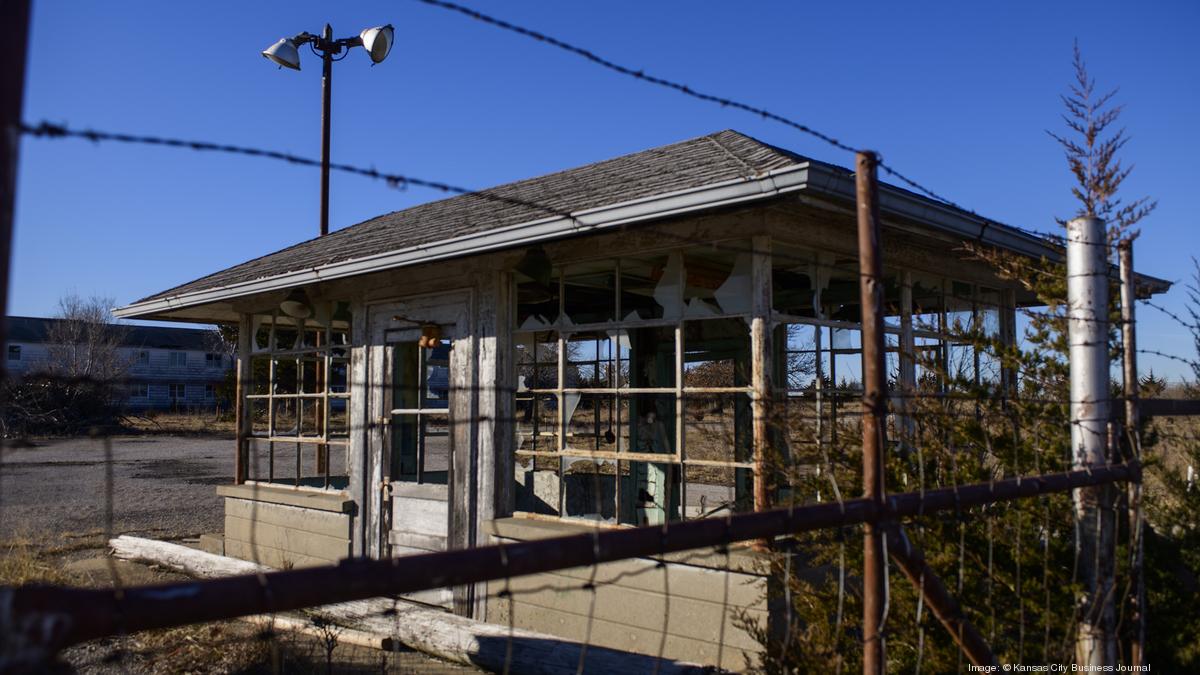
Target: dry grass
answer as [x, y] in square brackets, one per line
[181, 423]
[218, 647]
[22, 562]
[229, 647]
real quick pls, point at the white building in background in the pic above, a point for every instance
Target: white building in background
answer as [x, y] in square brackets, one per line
[168, 368]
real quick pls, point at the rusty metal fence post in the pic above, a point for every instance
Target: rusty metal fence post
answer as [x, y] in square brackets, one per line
[1137, 647]
[874, 408]
[14, 36]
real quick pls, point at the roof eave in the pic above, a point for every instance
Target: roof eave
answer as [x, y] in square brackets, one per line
[716, 195]
[812, 177]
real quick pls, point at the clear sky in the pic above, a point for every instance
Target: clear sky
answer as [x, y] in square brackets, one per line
[956, 94]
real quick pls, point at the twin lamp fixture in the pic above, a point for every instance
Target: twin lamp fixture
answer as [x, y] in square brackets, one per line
[286, 52]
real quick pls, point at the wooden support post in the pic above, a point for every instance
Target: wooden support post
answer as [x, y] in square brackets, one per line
[1008, 336]
[1137, 647]
[874, 406]
[243, 417]
[908, 361]
[463, 492]
[14, 29]
[760, 361]
[322, 386]
[363, 451]
[911, 561]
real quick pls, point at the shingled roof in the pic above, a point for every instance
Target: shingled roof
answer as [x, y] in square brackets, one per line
[705, 160]
[36, 330]
[707, 172]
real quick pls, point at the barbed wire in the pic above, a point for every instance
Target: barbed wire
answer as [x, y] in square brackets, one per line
[641, 74]
[1190, 325]
[726, 102]
[271, 635]
[49, 130]
[58, 131]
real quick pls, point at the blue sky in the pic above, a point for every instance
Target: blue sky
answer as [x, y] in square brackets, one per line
[957, 95]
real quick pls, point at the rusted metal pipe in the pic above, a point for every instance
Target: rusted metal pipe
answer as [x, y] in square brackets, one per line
[14, 38]
[1137, 646]
[326, 97]
[66, 616]
[874, 418]
[911, 560]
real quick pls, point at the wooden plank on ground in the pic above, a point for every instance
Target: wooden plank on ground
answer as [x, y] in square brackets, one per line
[432, 631]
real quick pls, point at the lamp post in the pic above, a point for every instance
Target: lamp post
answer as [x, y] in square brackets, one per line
[286, 54]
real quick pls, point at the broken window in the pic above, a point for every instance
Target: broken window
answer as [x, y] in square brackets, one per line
[646, 371]
[298, 398]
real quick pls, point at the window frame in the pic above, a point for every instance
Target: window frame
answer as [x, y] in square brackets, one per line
[678, 460]
[420, 414]
[328, 355]
[905, 338]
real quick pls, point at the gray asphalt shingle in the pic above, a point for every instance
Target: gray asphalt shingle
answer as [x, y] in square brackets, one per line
[704, 160]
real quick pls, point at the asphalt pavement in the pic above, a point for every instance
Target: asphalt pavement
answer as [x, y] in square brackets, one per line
[163, 487]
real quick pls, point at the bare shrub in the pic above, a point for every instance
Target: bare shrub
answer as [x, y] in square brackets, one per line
[75, 389]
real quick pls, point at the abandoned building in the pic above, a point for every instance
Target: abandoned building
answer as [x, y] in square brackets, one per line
[162, 367]
[585, 349]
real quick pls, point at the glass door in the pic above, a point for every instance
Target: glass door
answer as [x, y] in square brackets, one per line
[420, 413]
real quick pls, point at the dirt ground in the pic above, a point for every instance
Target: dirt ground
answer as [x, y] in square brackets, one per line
[61, 500]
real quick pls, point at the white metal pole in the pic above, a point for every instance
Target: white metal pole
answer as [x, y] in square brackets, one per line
[1087, 325]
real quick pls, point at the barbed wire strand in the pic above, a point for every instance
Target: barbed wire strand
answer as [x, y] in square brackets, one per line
[727, 102]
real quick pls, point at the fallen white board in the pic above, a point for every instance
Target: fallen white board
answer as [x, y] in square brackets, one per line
[432, 631]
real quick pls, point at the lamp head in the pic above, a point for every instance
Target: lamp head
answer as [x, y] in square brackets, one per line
[284, 54]
[535, 265]
[296, 304]
[378, 42]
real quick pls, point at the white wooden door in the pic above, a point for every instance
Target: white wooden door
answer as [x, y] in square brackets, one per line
[413, 404]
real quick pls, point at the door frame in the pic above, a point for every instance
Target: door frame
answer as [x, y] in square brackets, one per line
[399, 320]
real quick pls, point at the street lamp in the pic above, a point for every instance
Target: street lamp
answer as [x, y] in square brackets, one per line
[286, 54]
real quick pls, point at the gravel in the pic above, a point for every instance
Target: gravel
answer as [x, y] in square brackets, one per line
[162, 487]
